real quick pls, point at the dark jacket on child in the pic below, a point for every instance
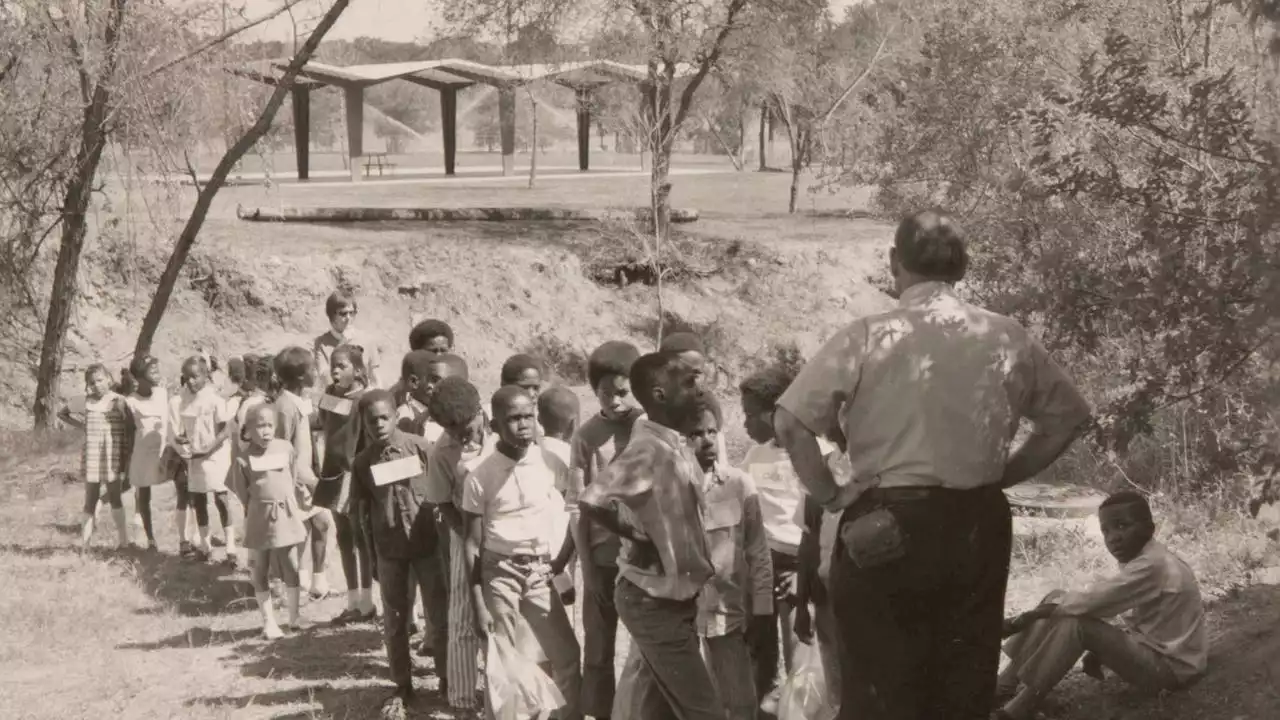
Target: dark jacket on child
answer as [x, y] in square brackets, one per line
[402, 524]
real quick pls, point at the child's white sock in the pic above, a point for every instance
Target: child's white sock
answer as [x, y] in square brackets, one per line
[293, 596]
[86, 529]
[206, 538]
[182, 526]
[353, 600]
[229, 533]
[270, 627]
[366, 600]
[122, 525]
[319, 583]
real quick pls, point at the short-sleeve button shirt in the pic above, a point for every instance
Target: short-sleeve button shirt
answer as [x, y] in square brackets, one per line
[516, 499]
[932, 392]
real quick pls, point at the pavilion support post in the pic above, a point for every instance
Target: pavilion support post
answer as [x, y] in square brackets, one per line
[354, 100]
[301, 97]
[764, 133]
[449, 127]
[584, 129]
[507, 127]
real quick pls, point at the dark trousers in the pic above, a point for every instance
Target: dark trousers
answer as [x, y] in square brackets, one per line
[765, 647]
[921, 634]
[674, 682]
[600, 635]
[397, 609]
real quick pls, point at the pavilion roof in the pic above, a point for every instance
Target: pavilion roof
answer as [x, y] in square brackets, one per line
[457, 73]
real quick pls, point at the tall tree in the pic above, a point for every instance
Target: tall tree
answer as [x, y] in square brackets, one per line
[208, 190]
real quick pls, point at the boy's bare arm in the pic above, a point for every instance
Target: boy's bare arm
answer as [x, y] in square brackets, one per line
[471, 563]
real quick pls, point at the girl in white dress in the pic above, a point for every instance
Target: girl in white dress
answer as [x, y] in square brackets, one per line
[149, 412]
[201, 420]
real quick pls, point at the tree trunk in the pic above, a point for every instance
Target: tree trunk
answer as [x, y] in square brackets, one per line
[533, 158]
[75, 207]
[799, 164]
[764, 133]
[187, 239]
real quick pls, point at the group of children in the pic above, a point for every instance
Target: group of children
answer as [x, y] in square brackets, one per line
[474, 512]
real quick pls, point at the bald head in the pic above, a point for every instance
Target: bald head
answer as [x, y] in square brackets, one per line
[931, 246]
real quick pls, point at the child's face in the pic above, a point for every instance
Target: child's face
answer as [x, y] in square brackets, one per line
[341, 318]
[150, 374]
[614, 395]
[194, 377]
[380, 418]
[98, 384]
[704, 432]
[758, 420]
[531, 380]
[1125, 530]
[342, 372]
[438, 344]
[515, 422]
[262, 426]
[469, 434]
[424, 386]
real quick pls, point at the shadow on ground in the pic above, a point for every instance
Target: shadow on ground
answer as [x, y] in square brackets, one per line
[326, 700]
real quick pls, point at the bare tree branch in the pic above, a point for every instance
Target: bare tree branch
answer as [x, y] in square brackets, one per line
[822, 121]
[708, 61]
[220, 39]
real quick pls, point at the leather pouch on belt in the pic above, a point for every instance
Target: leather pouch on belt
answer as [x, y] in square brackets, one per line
[874, 539]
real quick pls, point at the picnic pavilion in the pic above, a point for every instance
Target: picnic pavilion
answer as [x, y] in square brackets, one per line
[447, 77]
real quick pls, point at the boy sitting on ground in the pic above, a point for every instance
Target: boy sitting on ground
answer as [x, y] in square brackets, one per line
[1163, 645]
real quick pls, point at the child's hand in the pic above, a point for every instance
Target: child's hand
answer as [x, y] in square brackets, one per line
[804, 624]
[484, 621]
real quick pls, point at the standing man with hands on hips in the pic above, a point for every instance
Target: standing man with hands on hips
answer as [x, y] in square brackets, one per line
[925, 400]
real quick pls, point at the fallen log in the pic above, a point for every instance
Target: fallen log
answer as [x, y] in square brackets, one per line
[491, 214]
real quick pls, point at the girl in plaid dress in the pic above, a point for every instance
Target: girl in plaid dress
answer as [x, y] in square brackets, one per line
[107, 437]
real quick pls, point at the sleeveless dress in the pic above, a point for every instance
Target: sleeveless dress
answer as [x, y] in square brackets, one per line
[150, 421]
[272, 518]
[106, 427]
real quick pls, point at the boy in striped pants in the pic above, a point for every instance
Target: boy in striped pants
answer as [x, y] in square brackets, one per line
[456, 407]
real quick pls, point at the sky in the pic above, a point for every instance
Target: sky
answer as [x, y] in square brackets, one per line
[397, 20]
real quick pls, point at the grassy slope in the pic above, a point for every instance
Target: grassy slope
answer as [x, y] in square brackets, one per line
[141, 636]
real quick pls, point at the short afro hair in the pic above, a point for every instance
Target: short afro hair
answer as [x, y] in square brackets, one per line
[766, 386]
[417, 362]
[424, 332]
[235, 370]
[647, 373]
[931, 245]
[558, 409]
[612, 358]
[337, 300]
[292, 365]
[455, 402]
[457, 366]
[683, 342]
[503, 398]
[517, 365]
[373, 397]
[1133, 499]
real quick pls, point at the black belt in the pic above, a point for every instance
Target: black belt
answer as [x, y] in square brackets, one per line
[523, 559]
[910, 493]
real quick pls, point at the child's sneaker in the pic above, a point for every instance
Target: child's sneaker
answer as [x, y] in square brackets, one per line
[769, 705]
[186, 549]
[396, 707]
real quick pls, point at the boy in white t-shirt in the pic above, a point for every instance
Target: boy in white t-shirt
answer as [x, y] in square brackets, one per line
[781, 504]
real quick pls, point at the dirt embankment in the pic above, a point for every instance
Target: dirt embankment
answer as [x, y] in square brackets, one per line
[504, 288]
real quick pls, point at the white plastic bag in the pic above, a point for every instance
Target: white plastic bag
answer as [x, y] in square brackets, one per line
[803, 695]
[518, 689]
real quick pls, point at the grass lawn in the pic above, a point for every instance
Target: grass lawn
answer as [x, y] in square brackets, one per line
[141, 635]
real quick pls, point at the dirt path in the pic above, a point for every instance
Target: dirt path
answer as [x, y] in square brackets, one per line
[142, 635]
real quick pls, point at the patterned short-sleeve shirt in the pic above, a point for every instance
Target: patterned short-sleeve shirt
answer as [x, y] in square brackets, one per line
[932, 392]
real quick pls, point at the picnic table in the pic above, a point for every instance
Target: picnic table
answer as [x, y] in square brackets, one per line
[377, 160]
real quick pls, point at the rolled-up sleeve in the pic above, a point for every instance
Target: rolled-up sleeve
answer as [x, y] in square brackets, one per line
[1054, 405]
[827, 381]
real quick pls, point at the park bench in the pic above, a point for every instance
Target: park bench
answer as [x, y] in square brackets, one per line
[379, 161]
